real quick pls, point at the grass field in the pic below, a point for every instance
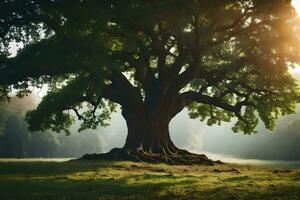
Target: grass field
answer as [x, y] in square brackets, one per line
[127, 180]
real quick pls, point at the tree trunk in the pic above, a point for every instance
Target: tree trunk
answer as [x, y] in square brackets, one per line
[149, 140]
[148, 132]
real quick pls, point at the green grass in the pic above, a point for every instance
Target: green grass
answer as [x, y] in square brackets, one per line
[126, 180]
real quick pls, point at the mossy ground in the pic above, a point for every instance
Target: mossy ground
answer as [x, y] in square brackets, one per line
[87, 180]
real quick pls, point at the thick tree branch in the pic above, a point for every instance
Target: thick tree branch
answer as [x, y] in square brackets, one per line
[189, 97]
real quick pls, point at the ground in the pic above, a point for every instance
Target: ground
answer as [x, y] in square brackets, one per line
[128, 180]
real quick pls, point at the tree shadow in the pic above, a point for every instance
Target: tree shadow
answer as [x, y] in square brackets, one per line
[49, 168]
[267, 192]
[141, 186]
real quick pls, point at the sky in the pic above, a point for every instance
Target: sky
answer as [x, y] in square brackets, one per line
[296, 4]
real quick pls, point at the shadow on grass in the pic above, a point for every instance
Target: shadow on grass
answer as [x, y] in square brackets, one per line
[49, 168]
[271, 192]
[128, 187]
[115, 180]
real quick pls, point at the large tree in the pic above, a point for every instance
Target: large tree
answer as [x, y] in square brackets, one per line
[223, 60]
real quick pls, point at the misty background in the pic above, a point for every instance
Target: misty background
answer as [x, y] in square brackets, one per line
[194, 135]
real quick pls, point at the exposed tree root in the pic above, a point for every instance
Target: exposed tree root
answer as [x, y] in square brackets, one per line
[177, 157]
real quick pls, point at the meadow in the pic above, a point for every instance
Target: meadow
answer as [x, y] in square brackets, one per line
[129, 180]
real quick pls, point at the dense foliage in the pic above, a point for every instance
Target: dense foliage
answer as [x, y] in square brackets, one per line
[221, 59]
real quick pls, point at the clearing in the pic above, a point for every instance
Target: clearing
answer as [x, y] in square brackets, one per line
[97, 180]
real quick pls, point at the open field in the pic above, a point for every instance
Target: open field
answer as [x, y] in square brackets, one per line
[128, 180]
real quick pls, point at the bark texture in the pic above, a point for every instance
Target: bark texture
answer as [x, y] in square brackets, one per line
[149, 140]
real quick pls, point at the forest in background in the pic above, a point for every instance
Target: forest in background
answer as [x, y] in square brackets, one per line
[17, 141]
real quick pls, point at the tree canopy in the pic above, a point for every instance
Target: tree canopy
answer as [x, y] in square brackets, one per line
[222, 60]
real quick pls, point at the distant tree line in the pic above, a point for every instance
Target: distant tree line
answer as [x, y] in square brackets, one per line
[282, 144]
[17, 141]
